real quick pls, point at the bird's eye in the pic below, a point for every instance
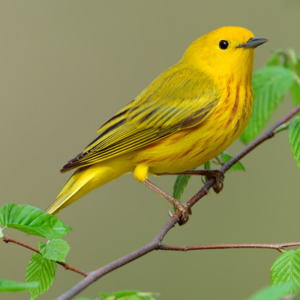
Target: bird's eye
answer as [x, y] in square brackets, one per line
[223, 45]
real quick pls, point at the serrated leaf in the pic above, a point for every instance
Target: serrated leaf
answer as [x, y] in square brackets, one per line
[32, 220]
[128, 295]
[55, 249]
[286, 270]
[269, 86]
[274, 59]
[294, 138]
[13, 286]
[42, 270]
[271, 293]
[226, 157]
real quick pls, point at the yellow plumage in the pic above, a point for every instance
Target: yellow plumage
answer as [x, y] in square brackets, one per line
[189, 114]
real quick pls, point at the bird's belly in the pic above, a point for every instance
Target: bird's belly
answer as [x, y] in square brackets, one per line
[193, 147]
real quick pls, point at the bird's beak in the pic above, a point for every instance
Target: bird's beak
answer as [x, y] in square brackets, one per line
[253, 43]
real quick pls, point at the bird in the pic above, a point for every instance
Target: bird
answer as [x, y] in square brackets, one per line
[188, 115]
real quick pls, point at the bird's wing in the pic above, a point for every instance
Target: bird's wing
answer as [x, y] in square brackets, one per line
[179, 98]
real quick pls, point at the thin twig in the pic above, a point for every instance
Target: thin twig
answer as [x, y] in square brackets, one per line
[278, 247]
[155, 244]
[7, 240]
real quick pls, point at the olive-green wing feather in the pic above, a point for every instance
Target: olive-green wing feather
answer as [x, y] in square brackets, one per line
[179, 98]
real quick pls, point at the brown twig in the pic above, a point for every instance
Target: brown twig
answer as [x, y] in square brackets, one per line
[7, 240]
[155, 244]
[278, 247]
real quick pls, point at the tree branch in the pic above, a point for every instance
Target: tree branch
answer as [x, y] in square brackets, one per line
[278, 247]
[155, 244]
[7, 240]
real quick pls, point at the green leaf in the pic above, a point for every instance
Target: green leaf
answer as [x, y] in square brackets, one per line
[271, 293]
[42, 270]
[226, 157]
[55, 249]
[274, 59]
[179, 185]
[286, 269]
[207, 166]
[292, 56]
[13, 286]
[282, 127]
[295, 89]
[32, 220]
[269, 86]
[287, 63]
[295, 92]
[294, 138]
[128, 295]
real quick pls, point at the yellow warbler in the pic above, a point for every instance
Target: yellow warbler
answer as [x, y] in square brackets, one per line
[188, 115]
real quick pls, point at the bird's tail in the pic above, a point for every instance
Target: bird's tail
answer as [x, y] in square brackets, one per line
[88, 178]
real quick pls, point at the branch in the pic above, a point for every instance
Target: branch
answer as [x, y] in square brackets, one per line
[278, 247]
[155, 244]
[7, 240]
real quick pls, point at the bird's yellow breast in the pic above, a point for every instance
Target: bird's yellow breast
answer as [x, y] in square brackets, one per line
[191, 148]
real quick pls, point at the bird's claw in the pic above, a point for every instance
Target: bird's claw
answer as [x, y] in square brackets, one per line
[219, 176]
[185, 210]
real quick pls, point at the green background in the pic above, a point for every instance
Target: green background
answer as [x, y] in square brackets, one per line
[68, 66]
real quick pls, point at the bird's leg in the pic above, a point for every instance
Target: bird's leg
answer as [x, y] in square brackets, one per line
[183, 207]
[217, 174]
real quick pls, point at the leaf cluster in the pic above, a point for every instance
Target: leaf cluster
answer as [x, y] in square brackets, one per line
[41, 268]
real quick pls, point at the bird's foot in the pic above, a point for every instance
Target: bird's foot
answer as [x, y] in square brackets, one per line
[185, 210]
[219, 177]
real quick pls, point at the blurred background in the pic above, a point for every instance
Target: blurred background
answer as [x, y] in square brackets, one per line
[68, 66]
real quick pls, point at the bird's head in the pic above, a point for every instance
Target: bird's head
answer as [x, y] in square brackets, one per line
[223, 51]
